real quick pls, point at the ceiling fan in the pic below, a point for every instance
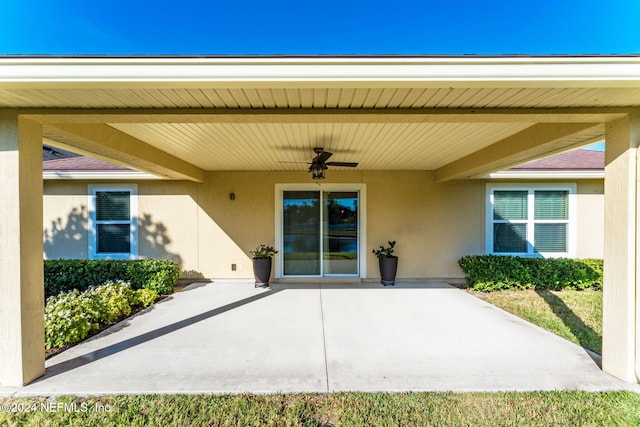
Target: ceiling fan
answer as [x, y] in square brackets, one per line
[319, 163]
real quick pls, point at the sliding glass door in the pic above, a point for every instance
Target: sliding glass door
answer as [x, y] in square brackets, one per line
[301, 233]
[340, 233]
[320, 233]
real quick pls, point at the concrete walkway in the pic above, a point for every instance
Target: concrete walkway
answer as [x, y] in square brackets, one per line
[228, 337]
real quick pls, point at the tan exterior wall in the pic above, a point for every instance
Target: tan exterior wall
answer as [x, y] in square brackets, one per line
[167, 226]
[65, 219]
[433, 224]
[408, 207]
[590, 219]
[200, 226]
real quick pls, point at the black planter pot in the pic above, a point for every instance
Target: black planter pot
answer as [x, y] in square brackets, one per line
[262, 271]
[388, 269]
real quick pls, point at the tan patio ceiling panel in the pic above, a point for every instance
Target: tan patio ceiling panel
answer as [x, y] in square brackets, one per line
[106, 143]
[534, 142]
[352, 98]
[265, 146]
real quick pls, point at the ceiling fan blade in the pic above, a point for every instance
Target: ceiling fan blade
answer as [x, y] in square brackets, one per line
[322, 157]
[344, 164]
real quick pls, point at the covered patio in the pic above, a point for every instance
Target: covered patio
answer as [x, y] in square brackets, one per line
[199, 121]
[228, 337]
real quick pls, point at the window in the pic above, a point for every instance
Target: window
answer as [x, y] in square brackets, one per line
[113, 218]
[535, 220]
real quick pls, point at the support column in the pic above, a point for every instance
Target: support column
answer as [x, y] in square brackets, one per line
[620, 341]
[21, 267]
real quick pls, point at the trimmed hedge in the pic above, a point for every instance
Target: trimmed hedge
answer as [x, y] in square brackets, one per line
[494, 272]
[64, 275]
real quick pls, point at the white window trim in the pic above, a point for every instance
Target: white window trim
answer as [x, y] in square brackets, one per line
[530, 188]
[133, 230]
[362, 220]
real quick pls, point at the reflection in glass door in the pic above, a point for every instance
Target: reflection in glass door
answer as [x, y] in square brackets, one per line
[320, 233]
[301, 233]
[340, 233]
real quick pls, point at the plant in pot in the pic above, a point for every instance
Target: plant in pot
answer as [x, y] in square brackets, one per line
[388, 263]
[262, 256]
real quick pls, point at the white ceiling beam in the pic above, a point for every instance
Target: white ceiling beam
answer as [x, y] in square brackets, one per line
[306, 115]
[537, 141]
[107, 143]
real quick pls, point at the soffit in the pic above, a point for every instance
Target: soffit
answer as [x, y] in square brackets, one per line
[320, 85]
[304, 97]
[376, 146]
[272, 146]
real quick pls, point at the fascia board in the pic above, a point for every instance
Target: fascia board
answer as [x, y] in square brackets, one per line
[468, 72]
[542, 175]
[97, 175]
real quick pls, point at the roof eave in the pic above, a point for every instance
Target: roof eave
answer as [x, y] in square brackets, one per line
[567, 71]
[544, 175]
[106, 175]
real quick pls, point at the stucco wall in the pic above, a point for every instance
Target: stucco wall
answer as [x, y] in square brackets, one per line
[167, 227]
[432, 223]
[590, 219]
[199, 225]
[65, 219]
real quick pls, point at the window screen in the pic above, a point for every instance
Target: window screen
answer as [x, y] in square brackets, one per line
[113, 238]
[112, 205]
[550, 237]
[510, 205]
[551, 205]
[509, 238]
[113, 221]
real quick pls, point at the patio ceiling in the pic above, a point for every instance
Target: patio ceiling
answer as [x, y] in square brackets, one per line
[277, 146]
[264, 113]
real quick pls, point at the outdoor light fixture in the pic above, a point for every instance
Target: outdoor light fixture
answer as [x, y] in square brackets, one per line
[317, 171]
[319, 163]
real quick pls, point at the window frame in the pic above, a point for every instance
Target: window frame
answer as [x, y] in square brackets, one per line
[93, 222]
[530, 222]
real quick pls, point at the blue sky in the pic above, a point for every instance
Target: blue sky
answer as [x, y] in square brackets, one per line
[320, 27]
[597, 147]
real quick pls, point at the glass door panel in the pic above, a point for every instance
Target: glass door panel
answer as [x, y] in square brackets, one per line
[340, 233]
[301, 233]
[320, 233]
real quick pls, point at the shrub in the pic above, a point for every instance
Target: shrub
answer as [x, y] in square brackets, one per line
[71, 316]
[493, 272]
[112, 300]
[145, 297]
[154, 274]
[64, 275]
[66, 319]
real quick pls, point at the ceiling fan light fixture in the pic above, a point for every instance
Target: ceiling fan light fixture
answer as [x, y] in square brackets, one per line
[317, 171]
[319, 163]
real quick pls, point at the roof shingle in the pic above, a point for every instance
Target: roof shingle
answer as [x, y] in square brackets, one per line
[574, 160]
[81, 163]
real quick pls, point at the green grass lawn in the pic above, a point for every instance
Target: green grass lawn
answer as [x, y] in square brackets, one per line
[341, 409]
[574, 315]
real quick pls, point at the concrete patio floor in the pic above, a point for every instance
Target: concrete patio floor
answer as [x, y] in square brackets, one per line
[227, 337]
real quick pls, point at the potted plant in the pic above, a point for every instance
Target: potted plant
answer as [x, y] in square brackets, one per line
[388, 263]
[262, 264]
